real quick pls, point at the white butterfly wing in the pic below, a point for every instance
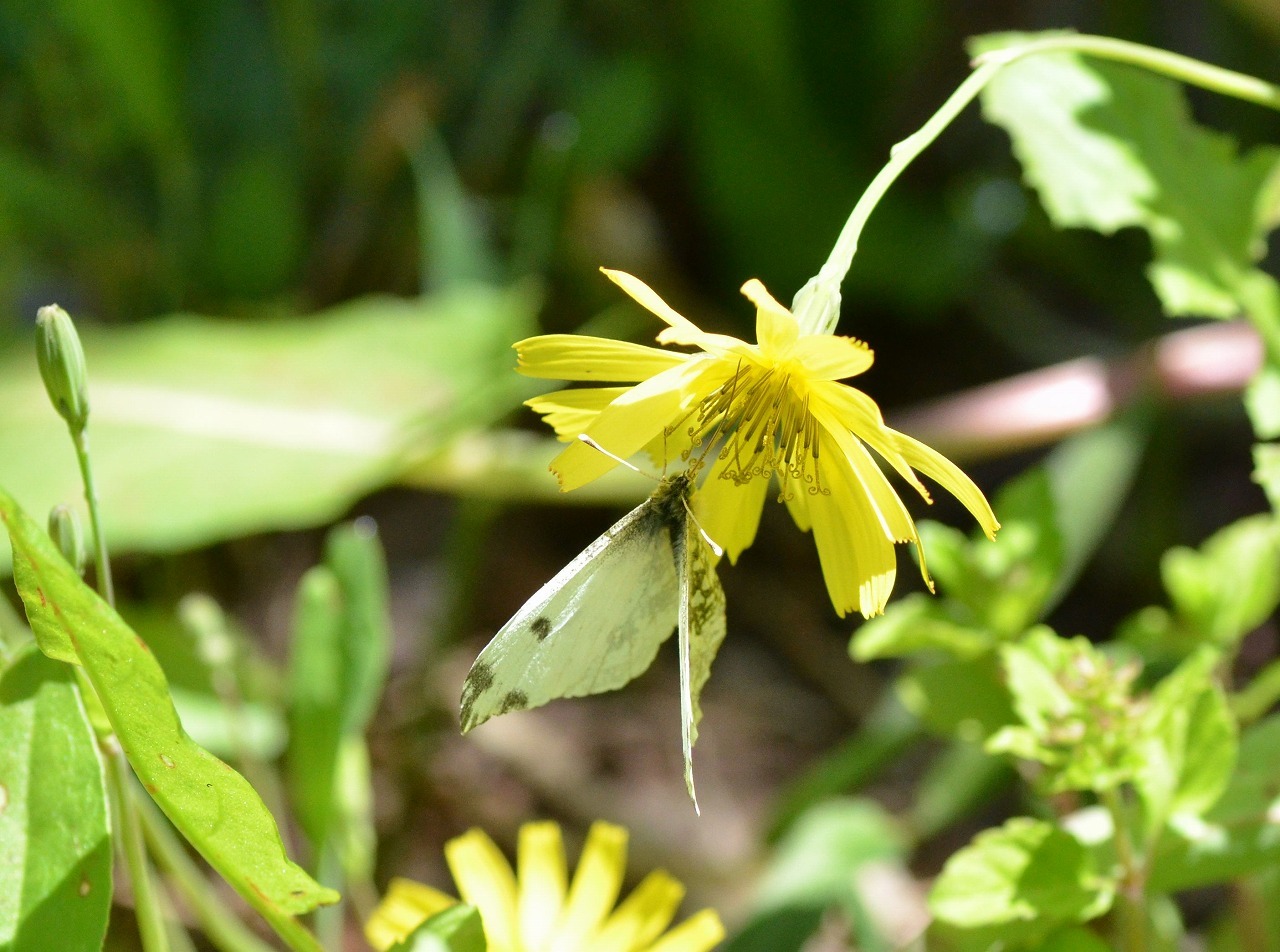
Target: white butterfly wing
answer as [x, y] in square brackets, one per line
[594, 627]
[702, 629]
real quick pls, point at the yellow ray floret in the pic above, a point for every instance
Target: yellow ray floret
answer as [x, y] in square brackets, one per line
[536, 909]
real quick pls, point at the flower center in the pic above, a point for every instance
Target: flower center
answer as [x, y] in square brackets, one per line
[763, 419]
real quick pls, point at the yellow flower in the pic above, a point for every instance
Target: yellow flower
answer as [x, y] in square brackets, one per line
[764, 412]
[537, 910]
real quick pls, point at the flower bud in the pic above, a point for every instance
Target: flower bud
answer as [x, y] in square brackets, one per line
[62, 366]
[67, 533]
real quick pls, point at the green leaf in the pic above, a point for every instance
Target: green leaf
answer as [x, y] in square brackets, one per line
[55, 840]
[1231, 584]
[967, 699]
[1109, 146]
[1266, 471]
[1075, 710]
[818, 865]
[212, 805]
[1190, 741]
[1027, 871]
[456, 929]
[918, 623]
[206, 429]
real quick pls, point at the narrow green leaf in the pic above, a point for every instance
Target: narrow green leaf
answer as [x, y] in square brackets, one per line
[55, 839]
[212, 805]
[1025, 871]
[341, 643]
[918, 623]
[1109, 146]
[456, 929]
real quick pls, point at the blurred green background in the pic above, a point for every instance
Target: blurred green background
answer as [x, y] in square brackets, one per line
[263, 163]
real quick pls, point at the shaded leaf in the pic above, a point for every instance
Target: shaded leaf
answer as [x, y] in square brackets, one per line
[212, 805]
[55, 840]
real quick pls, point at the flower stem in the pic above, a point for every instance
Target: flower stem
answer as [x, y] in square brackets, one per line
[1131, 907]
[817, 305]
[224, 931]
[151, 924]
[102, 564]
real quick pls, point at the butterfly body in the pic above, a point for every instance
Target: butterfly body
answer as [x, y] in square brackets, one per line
[599, 622]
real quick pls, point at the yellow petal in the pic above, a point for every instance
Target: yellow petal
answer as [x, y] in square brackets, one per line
[728, 511]
[699, 933]
[642, 916]
[577, 357]
[859, 413]
[832, 358]
[637, 418]
[570, 412]
[543, 877]
[950, 477]
[405, 906]
[858, 560]
[680, 329]
[776, 328]
[596, 885]
[485, 880]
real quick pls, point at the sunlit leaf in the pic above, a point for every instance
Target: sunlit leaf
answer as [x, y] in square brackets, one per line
[1027, 871]
[55, 845]
[205, 429]
[456, 929]
[1110, 146]
[212, 805]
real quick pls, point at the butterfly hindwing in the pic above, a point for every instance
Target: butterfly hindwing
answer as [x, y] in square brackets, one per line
[594, 627]
[702, 629]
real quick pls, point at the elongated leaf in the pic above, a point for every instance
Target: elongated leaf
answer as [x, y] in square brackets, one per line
[55, 841]
[1108, 146]
[456, 929]
[206, 429]
[212, 805]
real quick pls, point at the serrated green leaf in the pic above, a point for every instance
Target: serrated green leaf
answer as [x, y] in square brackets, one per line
[55, 838]
[1231, 584]
[1108, 146]
[1190, 742]
[212, 805]
[205, 429]
[1027, 871]
[456, 929]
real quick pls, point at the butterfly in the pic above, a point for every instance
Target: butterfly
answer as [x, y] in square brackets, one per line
[598, 624]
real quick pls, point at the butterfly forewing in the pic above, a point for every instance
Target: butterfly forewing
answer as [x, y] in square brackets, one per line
[594, 627]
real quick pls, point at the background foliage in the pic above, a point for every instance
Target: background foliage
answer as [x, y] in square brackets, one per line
[368, 203]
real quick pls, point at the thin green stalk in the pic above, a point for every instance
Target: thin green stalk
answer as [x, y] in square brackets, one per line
[151, 924]
[1131, 906]
[817, 304]
[102, 564]
[224, 931]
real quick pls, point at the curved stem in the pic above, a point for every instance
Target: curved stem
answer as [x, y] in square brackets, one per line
[817, 305]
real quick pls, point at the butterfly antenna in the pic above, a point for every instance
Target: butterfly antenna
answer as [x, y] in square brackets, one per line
[613, 456]
[714, 546]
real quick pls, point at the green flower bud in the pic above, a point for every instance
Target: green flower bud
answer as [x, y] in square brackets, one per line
[61, 360]
[67, 533]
